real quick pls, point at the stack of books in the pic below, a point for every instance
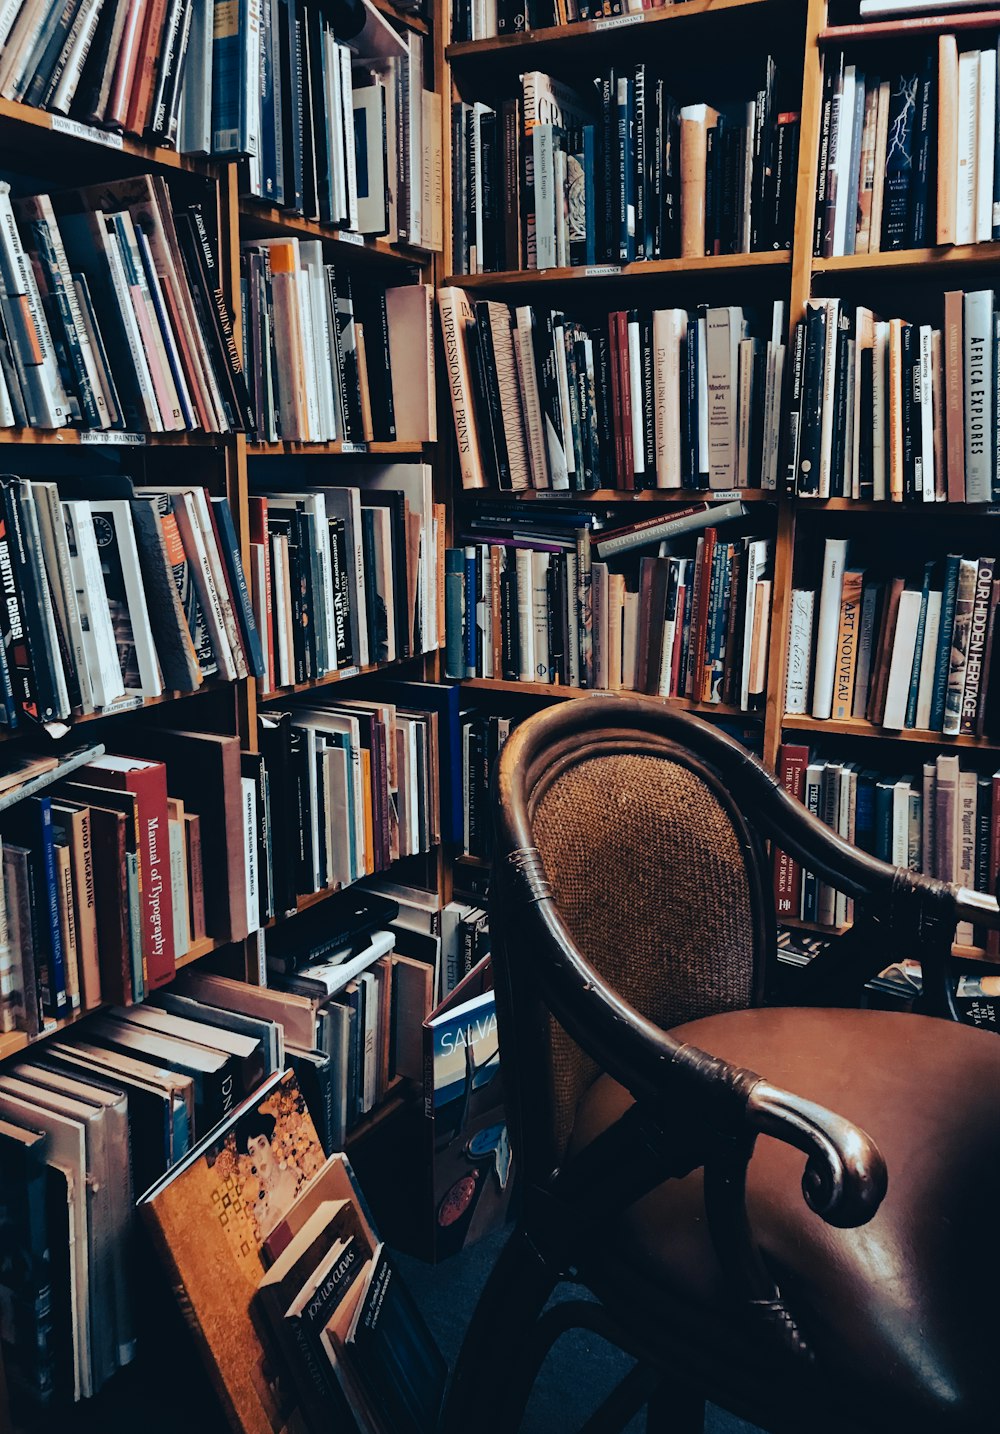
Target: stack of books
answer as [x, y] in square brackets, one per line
[644, 399]
[335, 357]
[113, 315]
[483, 736]
[888, 409]
[943, 820]
[905, 652]
[85, 1126]
[542, 605]
[346, 577]
[114, 600]
[556, 176]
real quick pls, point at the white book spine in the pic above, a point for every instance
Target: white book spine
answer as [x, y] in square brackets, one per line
[135, 593]
[834, 562]
[98, 634]
[845, 135]
[799, 665]
[985, 144]
[721, 374]
[525, 615]
[703, 450]
[540, 615]
[545, 204]
[758, 556]
[635, 389]
[250, 851]
[528, 380]
[669, 327]
[968, 125]
[927, 411]
[901, 665]
[879, 351]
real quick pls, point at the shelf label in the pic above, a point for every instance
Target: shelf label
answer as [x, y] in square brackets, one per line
[89, 132]
[113, 438]
[726, 495]
[347, 672]
[601, 271]
[614, 22]
[124, 704]
[354, 448]
[346, 237]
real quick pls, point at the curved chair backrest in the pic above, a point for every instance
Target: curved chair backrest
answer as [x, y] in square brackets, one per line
[655, 876]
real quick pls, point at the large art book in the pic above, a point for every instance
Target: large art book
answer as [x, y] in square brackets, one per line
[471, 1169]
[209, 1218]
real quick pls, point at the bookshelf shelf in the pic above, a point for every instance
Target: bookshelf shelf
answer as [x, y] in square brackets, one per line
[124, 711]
[265, 221]
[858, 728]
[401, 17]
[34, 133]
[905, 262]
[939, 510]
[618, 495]
[111, 438]
[560, 692]
[344, 674]
[582, 35]
[646, 269]
[394, 1102]
[291, 449]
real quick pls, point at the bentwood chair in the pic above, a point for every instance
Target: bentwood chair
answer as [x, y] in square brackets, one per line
[659, 1114]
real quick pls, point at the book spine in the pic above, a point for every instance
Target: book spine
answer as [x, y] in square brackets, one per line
[788, 871]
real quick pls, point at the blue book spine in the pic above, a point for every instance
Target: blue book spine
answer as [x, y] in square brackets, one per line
[626, 170]
[268, 168]
[721, 566]
[942, 659]
[883, 820]
[454, 610]
[910, 719]
[242, 601]
[864, 812]
[471, 593]
[8, 707]
[230, 90]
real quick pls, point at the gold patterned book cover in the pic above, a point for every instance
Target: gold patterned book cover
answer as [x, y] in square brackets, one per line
[209, 1217]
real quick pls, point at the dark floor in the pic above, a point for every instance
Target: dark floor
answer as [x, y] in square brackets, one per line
[579, 1372]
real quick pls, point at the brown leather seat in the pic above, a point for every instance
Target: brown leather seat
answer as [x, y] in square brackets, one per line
[879, 1305]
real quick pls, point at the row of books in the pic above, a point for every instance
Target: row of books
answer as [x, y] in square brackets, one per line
[484, 19]
[556, 176]
[692, 627]
[345, 135]
[110, 601]
[333, 356]
[348, 787]
[666, 399]
[875, 182]
[912, 159]
[113, 314]
[346, 577]
[483, 736]
[943, 820]
[108, 62]
[904, 653]
[889, 409]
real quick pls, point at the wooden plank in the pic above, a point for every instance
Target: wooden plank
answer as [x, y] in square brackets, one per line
[857, 727]
[641, 270]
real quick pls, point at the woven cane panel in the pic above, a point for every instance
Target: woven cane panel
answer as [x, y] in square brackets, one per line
[649, 877]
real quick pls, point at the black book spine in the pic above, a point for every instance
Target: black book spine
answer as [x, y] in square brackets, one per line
[309, 197]
[557, 653]
[573, 397]
[638, 160]
[459, 217]
[713, 143]
[609, 165]
[670, 243]
[830, 66]
[810, 435]
[866, 459]
[488, 377]
[32, 667]
[840, 435]
[911, 410]
[899, 162]
[792, 407]
[509, 632]
[489, 179]
[603, 403]
[918, 231]
[656, 154]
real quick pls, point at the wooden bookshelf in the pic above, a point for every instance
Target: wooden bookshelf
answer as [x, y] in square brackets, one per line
[34, 135]
[290, 449]
[646, 270]
[580, 38]
[259, 220]
[557, 691]
[856, 727]
[599, 496]
[897, 263]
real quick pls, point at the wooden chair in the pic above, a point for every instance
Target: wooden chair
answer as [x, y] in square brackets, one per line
[631, 918]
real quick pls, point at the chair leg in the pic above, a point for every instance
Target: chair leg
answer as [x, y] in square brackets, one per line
[675, 1409]
[624, 1402]
[498, 1339]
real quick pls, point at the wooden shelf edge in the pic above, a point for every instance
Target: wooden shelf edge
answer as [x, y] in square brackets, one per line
[274, 221]
[559, 692]
[985, 255]
[616, 273]
[14, 114]
[412, 22]
[74, 722]
[886, 505]
[555, 496]
[794, 722]
[112, 438]
[590, 31]
[296, 448]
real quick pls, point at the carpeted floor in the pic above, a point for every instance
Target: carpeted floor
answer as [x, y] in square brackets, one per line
[579, 1372]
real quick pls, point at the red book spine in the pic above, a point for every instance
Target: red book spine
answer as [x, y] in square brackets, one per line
[787, 871]
[993, 937]
[149, 785]
[616, 400]
[675, 656]
[699, 634]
